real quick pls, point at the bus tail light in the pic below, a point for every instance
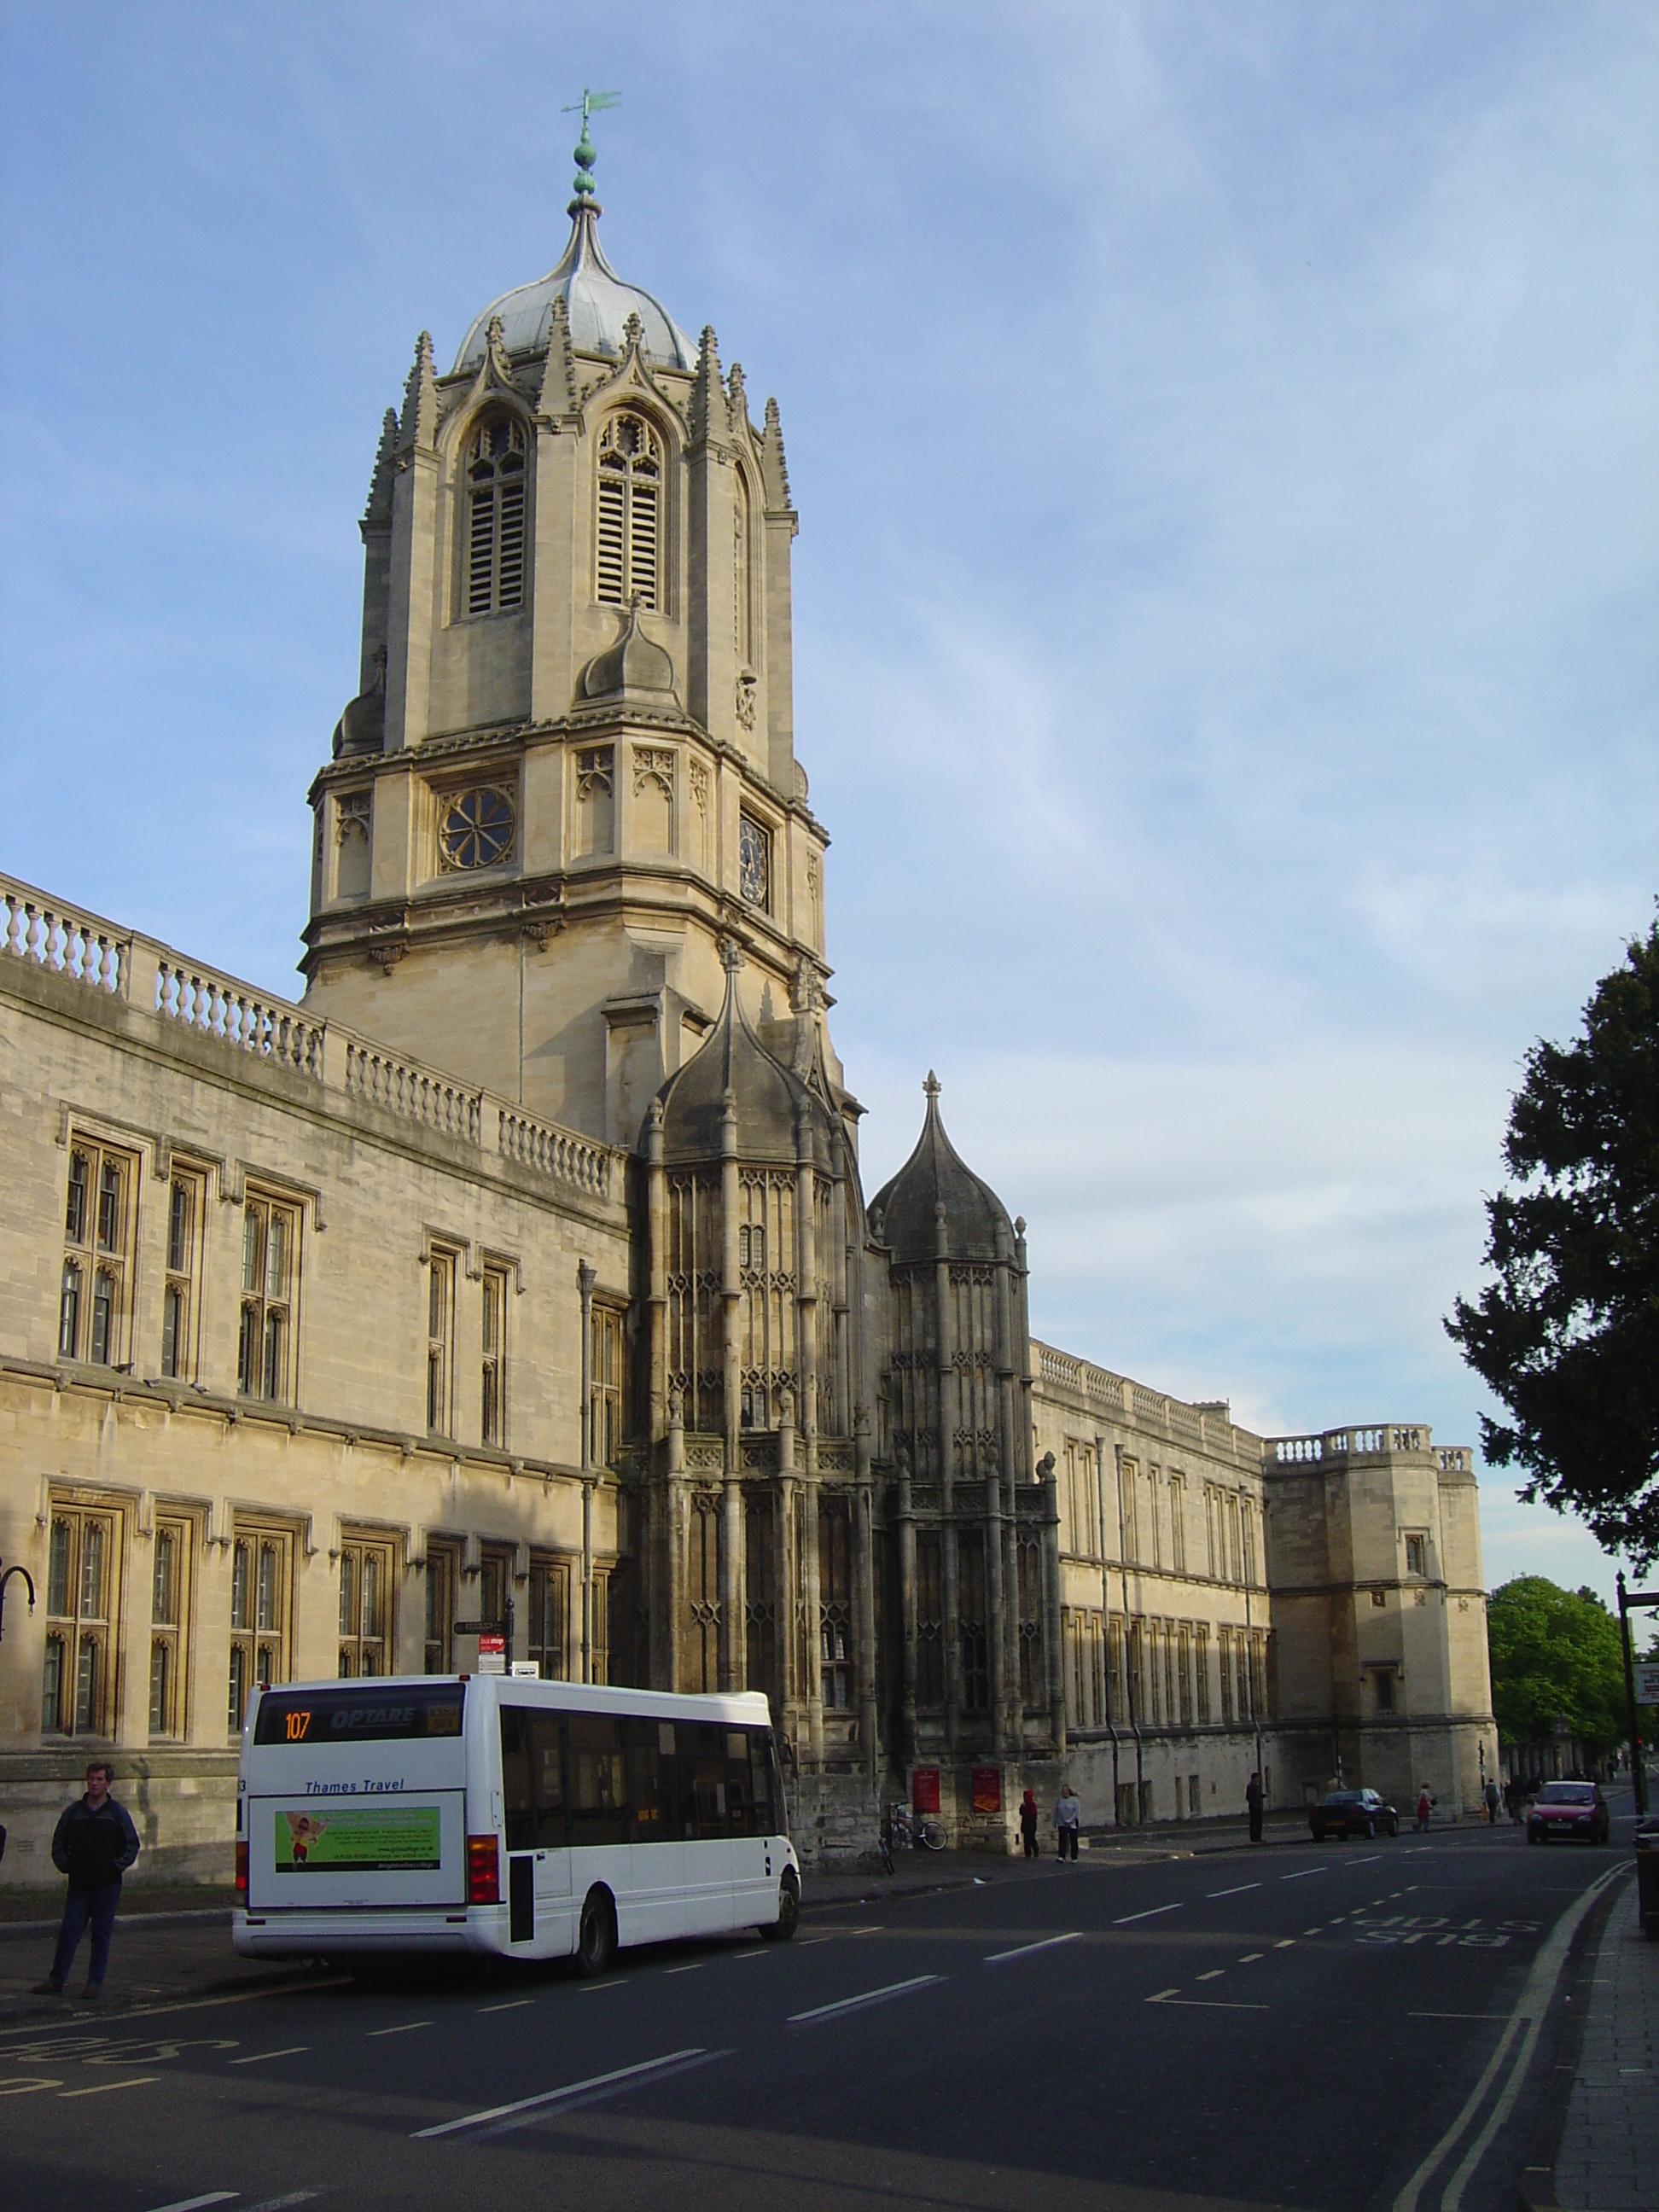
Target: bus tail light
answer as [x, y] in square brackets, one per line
[241, 1873]
[483, 1871]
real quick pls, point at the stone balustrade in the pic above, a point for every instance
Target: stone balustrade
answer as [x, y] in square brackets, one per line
[1207, 1428]
[40, 932]
[1374, 1442]
[39, 929]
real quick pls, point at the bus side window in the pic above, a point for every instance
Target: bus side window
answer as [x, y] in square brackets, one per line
[517, 1801]
[702, 1780]
[547, 1773]
[651, 1795]
[767, 1822]
[738, 1803]
[599, 1783]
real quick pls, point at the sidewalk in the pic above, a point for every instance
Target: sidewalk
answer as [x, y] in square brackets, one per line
[1608, 2160]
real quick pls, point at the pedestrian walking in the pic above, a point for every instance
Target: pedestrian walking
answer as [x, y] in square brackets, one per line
[1424, 1807]
[1492, 1804]
[94, 1843]
[1028, 1823]
[1068, 1819]
[1253, 1803]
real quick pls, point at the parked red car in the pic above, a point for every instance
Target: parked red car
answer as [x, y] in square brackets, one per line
[1577, 1810]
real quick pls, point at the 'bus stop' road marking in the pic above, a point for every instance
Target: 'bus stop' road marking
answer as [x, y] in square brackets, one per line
[1024, 1950]
[845, 2005]
[552, 2097]
[258, 2058]
[1151, 1913]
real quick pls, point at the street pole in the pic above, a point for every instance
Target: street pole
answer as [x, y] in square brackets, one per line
[1106, 1613]
[1637, 1773]
[1129, 1645]
[1250, 1671]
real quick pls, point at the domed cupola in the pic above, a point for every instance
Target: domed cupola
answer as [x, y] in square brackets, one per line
[903, 1214]
[598, 301]
[769, 1100]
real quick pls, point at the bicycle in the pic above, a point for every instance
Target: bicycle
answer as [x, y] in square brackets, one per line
[906, 1831]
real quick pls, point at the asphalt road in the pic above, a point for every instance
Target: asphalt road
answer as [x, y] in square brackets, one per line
[1313, 2025]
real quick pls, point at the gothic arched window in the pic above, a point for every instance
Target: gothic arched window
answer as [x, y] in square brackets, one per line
[627, 539]
[495, 516]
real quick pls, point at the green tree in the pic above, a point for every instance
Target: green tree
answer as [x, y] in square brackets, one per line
[1567, 1337]
[1555, 1658]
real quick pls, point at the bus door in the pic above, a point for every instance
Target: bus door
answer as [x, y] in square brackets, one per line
[704, 1776]
[533, 1806]
[756, 1865]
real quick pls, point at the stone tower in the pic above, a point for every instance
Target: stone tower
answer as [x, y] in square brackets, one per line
[568, 779]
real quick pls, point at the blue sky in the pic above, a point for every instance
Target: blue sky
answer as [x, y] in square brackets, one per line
[1226, 655]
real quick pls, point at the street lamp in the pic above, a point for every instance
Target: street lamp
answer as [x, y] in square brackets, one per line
[29, 1584]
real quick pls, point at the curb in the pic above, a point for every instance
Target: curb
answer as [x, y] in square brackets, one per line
[1537, 2191]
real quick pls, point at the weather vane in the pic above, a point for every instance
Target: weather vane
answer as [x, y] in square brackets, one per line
[591, 103]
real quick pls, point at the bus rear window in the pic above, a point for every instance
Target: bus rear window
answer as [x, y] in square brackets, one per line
[358, 1715]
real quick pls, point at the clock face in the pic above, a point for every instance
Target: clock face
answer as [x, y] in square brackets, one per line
[754, 862]
[476, 829]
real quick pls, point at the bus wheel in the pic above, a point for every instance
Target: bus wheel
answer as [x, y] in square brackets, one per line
[596, 1939]
[788, 1912]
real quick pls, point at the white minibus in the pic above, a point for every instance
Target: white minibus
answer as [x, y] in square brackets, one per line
[497, 1812]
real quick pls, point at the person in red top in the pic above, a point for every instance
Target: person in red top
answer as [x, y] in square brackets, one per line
[1424, 1807]
[1027, 1823]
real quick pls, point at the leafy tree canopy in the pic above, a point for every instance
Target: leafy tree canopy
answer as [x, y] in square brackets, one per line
[1555, 1658]
[1567, 1337]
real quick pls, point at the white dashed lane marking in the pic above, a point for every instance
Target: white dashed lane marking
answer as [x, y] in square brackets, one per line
[866, 1997]
[549, 2097]
[1151, 1913]
[1024, 1950]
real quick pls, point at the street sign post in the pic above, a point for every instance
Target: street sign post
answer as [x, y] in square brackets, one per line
[1647, 1682]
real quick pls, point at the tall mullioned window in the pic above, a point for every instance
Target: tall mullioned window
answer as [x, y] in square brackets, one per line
[261, 1602]
[179, 1296]
[493, 1418]
[83, 1566]
[264, 1348]
[605, 1384]
[367, 1568]
[494, 517]
[441, 1306]
[171, 1564]
[628, 536]
[94, 1297]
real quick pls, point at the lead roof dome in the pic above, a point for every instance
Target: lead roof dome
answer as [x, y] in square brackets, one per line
[597, 299]
[901, 1213]
[769, 1097]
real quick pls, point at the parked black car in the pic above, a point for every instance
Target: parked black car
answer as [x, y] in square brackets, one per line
[1352, 1812]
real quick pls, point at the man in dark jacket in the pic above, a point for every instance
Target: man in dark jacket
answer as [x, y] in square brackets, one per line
[94, 1843]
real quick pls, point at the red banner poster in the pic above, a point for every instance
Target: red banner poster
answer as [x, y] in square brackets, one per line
[924, 1790]
[987, 1789]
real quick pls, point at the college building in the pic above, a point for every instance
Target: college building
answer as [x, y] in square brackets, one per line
[517, 1286]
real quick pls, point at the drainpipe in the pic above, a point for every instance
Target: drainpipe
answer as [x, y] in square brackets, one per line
[1105, 1613]
[587, 1277]
[1129, 1645]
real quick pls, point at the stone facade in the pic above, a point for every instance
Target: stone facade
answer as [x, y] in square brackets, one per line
[522, 1275]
